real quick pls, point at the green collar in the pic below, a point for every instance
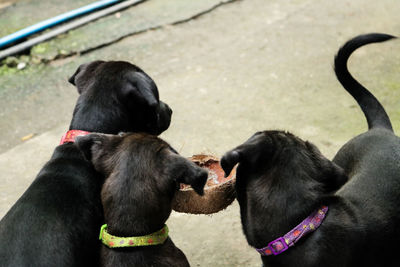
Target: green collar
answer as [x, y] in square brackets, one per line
[111, 241]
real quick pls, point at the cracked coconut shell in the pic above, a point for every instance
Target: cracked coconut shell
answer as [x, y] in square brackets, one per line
[219, 191]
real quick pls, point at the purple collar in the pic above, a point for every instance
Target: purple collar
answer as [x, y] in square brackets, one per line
[310, 224]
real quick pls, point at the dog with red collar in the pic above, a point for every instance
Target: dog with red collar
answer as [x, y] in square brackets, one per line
[56, 221]
[300, 209]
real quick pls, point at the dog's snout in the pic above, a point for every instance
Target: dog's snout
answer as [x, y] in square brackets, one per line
[165, 108]
[201, 179]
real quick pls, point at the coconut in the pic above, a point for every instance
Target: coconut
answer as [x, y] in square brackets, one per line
[219, 191]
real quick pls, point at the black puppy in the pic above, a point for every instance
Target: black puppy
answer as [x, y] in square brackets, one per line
[56, 221]
[282, 180]
[142, 175]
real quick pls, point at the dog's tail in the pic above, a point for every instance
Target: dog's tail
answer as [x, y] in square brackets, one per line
[373, 110]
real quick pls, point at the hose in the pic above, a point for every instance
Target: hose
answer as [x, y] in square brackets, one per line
[53, 21]
[74, 24]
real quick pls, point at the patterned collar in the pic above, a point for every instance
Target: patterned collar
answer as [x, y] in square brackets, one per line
[281, 244]
[71, 135]
[111, 241]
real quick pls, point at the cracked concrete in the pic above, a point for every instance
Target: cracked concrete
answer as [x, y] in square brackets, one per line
[143, 16]
[246, 66]
[196, 12]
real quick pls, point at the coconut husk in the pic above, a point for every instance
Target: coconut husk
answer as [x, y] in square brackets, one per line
[219, 191]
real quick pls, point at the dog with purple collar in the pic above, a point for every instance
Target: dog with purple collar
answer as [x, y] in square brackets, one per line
[300, 209]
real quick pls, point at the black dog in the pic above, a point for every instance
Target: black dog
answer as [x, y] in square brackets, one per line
[142, 175]
[281, 180]
[56, 221]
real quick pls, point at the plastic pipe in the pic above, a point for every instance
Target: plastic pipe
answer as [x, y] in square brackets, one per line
[53, 21]
[64, 28]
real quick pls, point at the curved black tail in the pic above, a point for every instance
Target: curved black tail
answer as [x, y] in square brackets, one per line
[373, 110]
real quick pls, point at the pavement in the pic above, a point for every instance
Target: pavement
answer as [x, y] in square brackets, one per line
[227, 69]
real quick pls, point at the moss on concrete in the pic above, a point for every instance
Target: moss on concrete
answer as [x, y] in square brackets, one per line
[6, 70]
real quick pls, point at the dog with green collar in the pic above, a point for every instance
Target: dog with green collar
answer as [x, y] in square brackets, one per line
[111, 241]
[142, 173]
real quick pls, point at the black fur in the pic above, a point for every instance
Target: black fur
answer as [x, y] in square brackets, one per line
[56, 221]
[117, 96]
[373, 110]
[142, 175]
[282, 179]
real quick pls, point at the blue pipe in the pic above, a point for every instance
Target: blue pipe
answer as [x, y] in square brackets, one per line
[54, 21]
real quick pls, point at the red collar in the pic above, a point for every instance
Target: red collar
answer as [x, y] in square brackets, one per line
[71, 135]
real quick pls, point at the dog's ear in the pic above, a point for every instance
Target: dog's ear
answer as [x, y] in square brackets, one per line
[333, 176]
[229, 160]
[253, 153]
[164, 118]
[142, 88]
[186, 172]
[86, 144]
[81, 70]
[71, 79]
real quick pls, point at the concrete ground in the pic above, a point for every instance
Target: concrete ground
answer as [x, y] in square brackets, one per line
[227, 69]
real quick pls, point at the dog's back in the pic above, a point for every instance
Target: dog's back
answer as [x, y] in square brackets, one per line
[372, 162]
[45, 218]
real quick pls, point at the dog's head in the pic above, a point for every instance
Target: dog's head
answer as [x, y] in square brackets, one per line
[142, 173]
[117, 96]
[278, 173]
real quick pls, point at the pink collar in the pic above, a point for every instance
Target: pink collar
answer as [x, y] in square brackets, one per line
[281, 244]
[71, 135]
